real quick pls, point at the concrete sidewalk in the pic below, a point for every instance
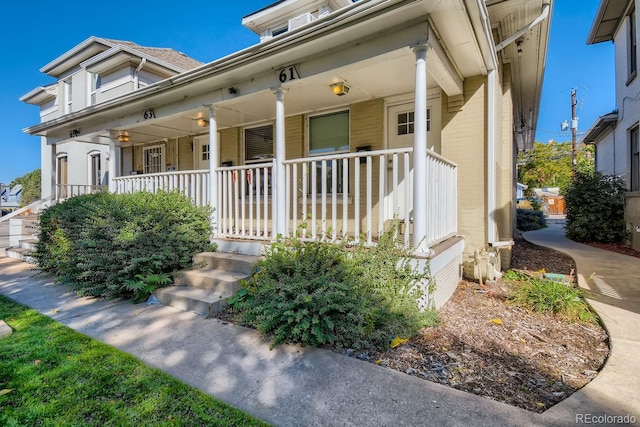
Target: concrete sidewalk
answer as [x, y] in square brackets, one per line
[294, 386]
[612, 284]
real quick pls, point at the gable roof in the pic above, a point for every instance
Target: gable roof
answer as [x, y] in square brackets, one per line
[95, 45]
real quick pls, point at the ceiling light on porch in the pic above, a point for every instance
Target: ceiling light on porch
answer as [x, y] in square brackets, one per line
[124, 138]
[202, 122]
[340, 89]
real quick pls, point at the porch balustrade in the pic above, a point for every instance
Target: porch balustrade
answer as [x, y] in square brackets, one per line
[193, 184]
[354, 195]
[66, 191]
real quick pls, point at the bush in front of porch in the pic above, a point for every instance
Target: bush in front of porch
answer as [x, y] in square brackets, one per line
[95, 243]
[319, 293]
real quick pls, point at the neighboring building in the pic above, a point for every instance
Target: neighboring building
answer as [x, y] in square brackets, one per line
[520, 189]
[10, 198]
[324, 124]
[615, 134]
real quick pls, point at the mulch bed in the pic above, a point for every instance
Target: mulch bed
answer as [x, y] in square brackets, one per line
[490, 348]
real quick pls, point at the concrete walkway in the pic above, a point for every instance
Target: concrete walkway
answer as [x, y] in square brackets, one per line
[294, 386]
[612, 284]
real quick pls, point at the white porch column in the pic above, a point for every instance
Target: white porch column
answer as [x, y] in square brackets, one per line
[53, 179]
[420, 152]
[214, 161]
[280, 175]
[112, 164]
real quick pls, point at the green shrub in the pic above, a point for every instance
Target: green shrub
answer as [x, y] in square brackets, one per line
[319, 293]
[595, 208]
[529, 220]
[95, 243]
[547, 296]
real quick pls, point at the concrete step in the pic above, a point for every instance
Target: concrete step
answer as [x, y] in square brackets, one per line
[187, 298]
[219, 281]
[21, 254]
[227, 261]
[29, 244]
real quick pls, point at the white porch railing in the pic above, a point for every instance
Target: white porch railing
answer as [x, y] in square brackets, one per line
[193, 184]
[327, 197]
[66, 191]
[245, 208]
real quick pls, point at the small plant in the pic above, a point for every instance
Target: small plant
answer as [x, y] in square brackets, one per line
[146, 284]
[529, 220]
[320, 293]
[547, 296]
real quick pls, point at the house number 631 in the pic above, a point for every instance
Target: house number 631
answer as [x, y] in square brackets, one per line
[287, 74]
[149, 114]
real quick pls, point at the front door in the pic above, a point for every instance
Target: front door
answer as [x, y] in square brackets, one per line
[201, 149]
[401, 127]
[63, 177]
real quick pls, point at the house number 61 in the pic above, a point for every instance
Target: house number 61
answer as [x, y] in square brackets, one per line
[287, 74]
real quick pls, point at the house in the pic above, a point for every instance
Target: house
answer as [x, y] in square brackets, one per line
[344, 116]
[615, 134]
[10, 198]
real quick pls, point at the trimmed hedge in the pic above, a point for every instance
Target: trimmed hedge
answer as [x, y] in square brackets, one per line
[95, 243]
[529, 219]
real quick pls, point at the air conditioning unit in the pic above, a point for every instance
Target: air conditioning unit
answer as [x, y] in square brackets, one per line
[301, 20]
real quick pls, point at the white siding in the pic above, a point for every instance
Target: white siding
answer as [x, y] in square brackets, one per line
[605, 156]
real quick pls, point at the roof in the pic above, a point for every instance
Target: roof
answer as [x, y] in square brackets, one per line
[600, 128]
[607, 21]
[169, 55]
[96, 45]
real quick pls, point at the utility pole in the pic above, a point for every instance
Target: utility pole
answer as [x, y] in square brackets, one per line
[574, 133]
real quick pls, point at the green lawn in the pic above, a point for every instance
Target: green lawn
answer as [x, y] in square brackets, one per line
[51, 375]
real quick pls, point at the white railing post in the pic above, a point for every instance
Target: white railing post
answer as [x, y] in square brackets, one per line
[278, 187]
[420, 152]
[213, 165]
[54, 172]
[112, 164]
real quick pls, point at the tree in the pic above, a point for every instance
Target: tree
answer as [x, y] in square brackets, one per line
[549, 165]
[30, 187]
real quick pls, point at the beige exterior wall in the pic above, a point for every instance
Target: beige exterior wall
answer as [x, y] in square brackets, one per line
[505, 161]
[464, 142]
[230, 146]
[632, 214]
[185, 153]
[294, 137]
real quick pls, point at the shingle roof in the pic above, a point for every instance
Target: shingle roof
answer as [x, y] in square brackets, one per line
[168, 55]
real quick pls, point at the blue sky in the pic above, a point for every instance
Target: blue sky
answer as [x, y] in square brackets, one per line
[34, 33]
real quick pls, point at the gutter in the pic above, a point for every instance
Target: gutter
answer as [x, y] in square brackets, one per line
[546, 6]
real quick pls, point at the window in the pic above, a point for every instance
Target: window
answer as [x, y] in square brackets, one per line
[258, 144]
[633, 53]
[635, 158]
[153, 159]
[205, 152]
[95, 169]
[280, 30]
[329, 134]
[96, 82]
[68, 96]
[406, 122]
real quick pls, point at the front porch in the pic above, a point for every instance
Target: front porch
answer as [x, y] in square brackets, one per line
[333, 197]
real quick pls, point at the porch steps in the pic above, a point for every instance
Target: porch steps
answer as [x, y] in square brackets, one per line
[22, 248]
[205, 290]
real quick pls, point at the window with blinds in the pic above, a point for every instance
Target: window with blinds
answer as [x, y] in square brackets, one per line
[258, 144]
[329, 134]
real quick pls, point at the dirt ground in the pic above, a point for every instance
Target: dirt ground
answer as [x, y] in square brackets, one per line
[488, 347]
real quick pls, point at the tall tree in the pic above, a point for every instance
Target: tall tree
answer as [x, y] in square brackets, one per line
[30, 187]
[549, 165]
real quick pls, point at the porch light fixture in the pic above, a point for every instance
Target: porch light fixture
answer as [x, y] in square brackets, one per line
[124, 138]
[232, 90]
[202, 122]
[340, 89]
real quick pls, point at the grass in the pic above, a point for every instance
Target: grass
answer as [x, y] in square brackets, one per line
[547, 296]
[53, 376]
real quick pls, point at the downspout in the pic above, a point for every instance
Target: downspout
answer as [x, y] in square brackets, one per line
[513, 37]
[136, 74]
